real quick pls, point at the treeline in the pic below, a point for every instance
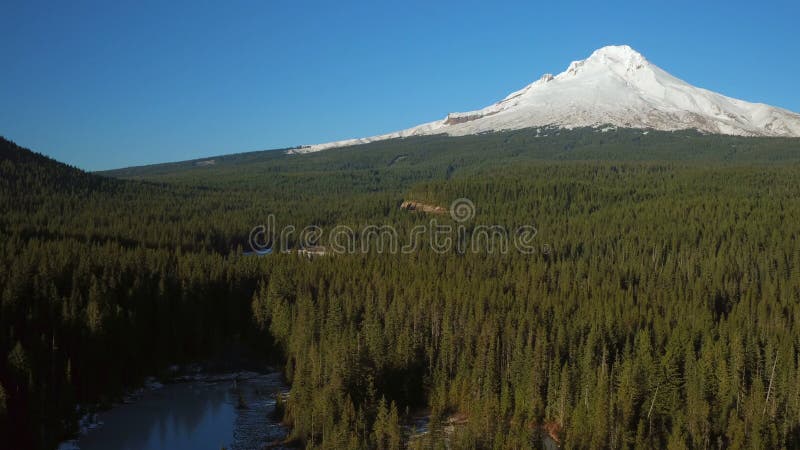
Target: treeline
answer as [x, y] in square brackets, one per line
[398, 161]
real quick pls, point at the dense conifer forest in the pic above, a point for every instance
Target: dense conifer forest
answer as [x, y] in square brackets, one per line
[660, 309]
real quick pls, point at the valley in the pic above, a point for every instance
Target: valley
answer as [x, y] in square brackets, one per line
[667, 296]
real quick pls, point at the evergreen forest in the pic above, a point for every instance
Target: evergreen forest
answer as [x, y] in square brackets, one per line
[661, 308]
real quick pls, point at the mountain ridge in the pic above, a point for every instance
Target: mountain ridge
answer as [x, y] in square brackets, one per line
[617, 86]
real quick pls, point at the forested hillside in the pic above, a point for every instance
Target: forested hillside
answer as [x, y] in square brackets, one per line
[103, 282]
[661, 309]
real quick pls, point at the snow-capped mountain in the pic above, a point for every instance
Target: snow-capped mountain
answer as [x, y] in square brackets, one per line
[616, 86]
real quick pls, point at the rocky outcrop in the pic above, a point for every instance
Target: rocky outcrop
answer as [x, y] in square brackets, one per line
[410, 205]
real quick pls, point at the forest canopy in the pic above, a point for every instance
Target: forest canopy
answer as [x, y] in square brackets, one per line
[663, 313]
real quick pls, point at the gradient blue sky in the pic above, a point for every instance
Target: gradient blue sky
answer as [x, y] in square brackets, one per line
[103, 85]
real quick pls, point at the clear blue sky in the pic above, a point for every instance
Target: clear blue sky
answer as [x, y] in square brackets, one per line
[103, 85]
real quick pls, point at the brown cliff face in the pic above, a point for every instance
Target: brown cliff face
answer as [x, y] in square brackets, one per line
[410, 205]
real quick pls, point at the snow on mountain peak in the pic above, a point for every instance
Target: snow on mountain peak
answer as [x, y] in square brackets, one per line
[622, 54]
[621, 58]
[617, 86]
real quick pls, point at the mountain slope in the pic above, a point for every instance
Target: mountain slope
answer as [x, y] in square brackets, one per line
[23, 171]
[614, 86]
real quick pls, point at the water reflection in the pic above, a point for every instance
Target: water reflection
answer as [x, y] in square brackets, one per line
[204, 413]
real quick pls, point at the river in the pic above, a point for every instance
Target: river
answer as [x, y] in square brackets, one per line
[233, 410]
